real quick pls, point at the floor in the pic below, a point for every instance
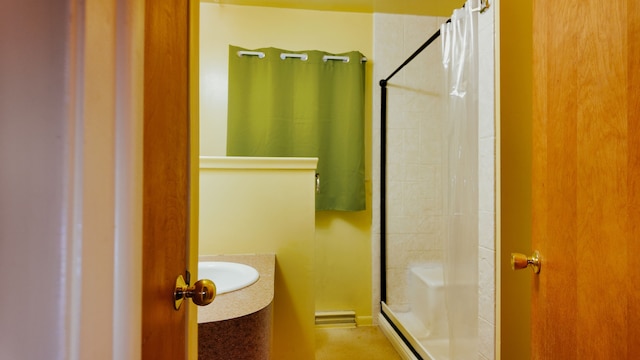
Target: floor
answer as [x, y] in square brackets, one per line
[365, 342]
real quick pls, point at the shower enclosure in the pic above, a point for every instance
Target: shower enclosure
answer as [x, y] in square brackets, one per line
[429, 199]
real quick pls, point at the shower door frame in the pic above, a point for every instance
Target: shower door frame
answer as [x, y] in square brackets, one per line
[390, 318]
[387, 313]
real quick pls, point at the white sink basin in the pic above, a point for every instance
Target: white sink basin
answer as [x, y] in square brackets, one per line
[227, 276]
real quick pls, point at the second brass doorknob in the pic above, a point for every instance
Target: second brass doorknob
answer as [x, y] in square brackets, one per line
[521, 261]
[201, 293]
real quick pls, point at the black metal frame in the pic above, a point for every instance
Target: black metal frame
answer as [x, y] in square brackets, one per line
[383, 186]
[383, 163]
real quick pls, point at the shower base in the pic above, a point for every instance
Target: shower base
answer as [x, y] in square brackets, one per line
[412, 329]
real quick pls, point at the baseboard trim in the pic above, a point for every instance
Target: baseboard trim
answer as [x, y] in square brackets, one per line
[342, 319]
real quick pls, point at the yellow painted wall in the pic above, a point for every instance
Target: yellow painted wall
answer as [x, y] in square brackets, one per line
[429, 8]
[343, 240]
[247, 207]
[516, 44]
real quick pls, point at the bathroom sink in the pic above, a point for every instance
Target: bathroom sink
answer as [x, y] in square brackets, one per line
[228, 276]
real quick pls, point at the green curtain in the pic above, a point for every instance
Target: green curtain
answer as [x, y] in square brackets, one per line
[302, 108]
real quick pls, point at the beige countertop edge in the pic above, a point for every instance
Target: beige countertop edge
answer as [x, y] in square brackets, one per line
[245, 301]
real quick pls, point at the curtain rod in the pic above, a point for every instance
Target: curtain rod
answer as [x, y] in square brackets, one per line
[484, 5]
[302, 57]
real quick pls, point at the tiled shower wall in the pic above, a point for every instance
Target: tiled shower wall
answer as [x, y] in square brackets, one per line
[486, 186]
[415, 104]
[414, 108]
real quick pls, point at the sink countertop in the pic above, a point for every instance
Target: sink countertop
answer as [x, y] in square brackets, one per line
[247, 300]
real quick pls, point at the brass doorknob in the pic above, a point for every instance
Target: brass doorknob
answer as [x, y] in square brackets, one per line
[201, 293]
[521, 261]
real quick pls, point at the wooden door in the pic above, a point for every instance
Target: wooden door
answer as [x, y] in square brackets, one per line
[586, 179]
[166, 180]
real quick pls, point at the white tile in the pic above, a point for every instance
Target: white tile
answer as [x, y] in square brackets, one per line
[486, 175]
[414, 172]
[486, 285]
[388, 39]
[486, 230]
[406, 225]
[431, 152]
[486, 19]
[396, 171]
[410, 193]
[411, 145]
[486, 100]
[417, 29]
[486, 339]
[375, 214]
[396, 105]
